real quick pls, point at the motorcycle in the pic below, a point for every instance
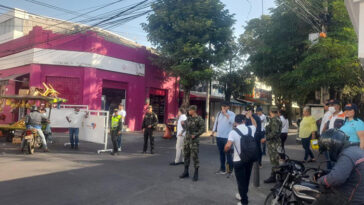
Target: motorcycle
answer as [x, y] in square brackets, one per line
[31, 140]
[294, 185]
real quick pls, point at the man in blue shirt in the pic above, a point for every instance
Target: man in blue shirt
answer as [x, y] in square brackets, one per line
[224, 122]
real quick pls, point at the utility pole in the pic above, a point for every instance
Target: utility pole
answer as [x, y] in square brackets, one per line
[207, 119]
[325, 17]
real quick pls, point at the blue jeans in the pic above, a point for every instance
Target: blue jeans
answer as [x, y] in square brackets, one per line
[306, 145]
[221, 142]
[119, 140]
[74, 136]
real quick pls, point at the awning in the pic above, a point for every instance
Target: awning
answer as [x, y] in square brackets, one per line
[237, 103]
[249, 100]
[5, 80]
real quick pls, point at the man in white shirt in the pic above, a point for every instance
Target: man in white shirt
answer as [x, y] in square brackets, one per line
[263, 120]
[122, 113]
[326, 117]
[75, 122]
[180, 137]
[242, 169]
[224, 122]
[285, 126]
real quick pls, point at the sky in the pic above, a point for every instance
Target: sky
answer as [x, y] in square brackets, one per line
[244, 10]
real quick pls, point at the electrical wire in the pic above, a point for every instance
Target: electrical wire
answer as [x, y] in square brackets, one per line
[123, 20]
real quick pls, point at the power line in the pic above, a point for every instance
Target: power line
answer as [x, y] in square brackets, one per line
[124, 20]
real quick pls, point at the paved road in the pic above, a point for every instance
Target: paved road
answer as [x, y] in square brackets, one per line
[72, 177]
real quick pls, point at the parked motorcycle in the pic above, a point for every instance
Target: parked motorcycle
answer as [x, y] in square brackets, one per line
[294, 184]
[31, 140]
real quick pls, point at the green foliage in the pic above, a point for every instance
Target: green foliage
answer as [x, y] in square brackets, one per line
[280, 54]
[191, 36]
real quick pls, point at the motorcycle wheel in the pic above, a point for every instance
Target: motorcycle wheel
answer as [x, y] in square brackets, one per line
[270, 199]
[30, 148]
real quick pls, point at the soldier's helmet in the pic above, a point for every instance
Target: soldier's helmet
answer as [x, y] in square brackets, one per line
[192, 107]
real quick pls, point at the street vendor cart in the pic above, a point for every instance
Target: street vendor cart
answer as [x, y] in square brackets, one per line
[16, 129]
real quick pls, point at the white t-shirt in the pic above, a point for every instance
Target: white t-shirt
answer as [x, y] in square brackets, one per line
[332, 120]
[183, 117]
[234, 137]
[76, 119]
[324, 121]
[285, 124]
[263, 120]
[122, 113]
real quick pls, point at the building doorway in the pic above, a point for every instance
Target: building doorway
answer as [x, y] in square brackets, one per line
[111, 98]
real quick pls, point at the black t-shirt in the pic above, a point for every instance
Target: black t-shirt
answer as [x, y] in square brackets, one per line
[259, 124]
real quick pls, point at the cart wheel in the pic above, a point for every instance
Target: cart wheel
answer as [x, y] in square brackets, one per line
[30, 148]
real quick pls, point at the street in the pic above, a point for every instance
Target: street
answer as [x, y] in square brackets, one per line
[65, 176]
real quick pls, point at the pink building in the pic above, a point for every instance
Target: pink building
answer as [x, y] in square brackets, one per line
[94, 68]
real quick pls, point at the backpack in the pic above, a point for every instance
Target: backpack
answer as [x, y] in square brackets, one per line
[248, 147]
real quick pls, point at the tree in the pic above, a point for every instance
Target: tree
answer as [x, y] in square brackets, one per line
[232, 77]
[190, 36]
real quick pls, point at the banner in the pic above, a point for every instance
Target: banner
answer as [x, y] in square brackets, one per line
[93, 128]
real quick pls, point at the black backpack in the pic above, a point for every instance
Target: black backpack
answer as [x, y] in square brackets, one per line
[248, 147]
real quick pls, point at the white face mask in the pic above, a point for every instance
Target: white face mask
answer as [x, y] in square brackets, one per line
[332, 110]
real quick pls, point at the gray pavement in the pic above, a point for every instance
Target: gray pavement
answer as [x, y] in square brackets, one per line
[65, 176]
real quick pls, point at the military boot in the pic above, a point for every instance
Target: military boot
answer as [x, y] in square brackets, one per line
[271, 179]
[185, 174]
[195, 175]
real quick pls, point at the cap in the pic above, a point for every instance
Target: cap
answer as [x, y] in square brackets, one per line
[249, 108]
[350, 106]
[274, 109]
[240, 118]
[225, 104]
[115, 110]
[192, 107]
[333, 102]
[259, 109]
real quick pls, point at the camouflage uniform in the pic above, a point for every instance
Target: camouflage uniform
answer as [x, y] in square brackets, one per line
[273, 131]
[149, 119]
[193, 126]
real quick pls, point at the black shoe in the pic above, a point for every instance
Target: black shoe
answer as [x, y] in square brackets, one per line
[179, 163]
[185, 173]
[271, 179]
[173, 163]
[195, 175]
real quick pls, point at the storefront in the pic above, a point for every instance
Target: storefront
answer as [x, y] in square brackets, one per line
[89, 70]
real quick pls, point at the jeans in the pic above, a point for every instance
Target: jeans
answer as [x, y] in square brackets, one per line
[49, 133]
[306, 145]
[264, 145]
[148, 133]
[119, 140]
[242, 173]
[258, 137]
[74, 136]
[221, 142]
[283, 139]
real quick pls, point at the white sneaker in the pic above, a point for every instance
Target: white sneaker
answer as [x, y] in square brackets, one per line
[237, 197]
[221, 172]
[239, 203]
[119, 149]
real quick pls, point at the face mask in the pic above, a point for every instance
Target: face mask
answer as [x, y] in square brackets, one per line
[332, 110]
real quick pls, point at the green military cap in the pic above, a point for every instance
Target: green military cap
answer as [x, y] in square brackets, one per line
[274, 109]
[192, 107]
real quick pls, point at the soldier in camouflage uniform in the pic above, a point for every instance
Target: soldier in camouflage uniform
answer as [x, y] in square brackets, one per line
[194, 126]
[150, 122]
[273, 132]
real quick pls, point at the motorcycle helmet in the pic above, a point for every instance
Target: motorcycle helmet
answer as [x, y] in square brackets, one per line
[333, 141]
[34, 108]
